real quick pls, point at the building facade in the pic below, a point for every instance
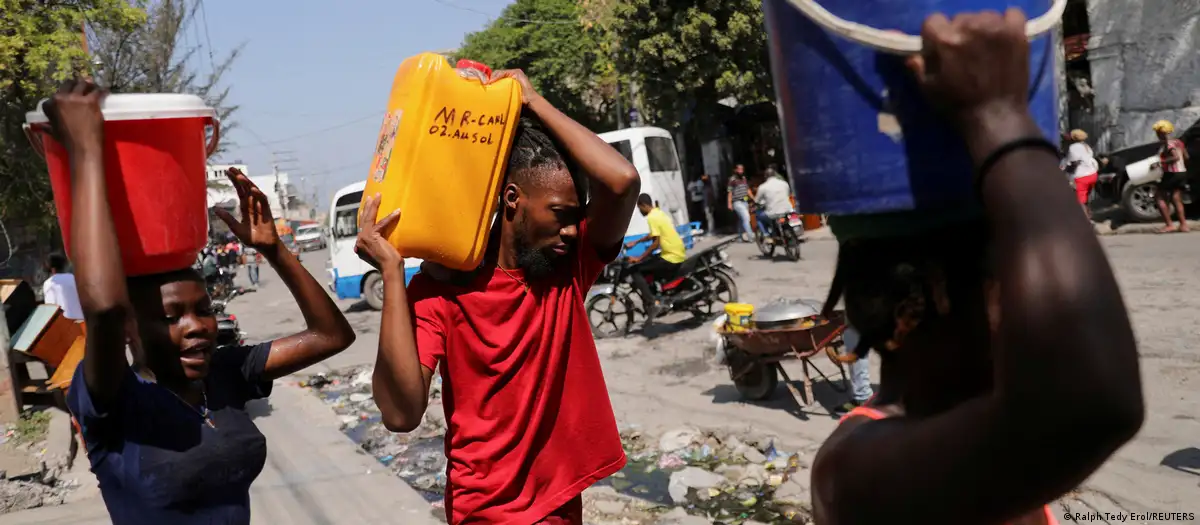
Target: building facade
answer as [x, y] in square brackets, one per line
[1144, 67]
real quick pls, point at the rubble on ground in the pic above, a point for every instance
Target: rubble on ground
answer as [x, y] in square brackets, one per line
[418, 457]
[34, 479]
[686, 476]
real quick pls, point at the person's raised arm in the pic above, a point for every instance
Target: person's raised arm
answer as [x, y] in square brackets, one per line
[1064, 332]
[615, 183]
[400, 383]
[326, 330]
[74, 113]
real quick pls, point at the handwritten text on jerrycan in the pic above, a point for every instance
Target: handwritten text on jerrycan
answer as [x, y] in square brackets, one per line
[466, 126]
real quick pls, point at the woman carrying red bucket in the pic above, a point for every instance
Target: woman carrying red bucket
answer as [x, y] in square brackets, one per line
[168, 437]
[1009, 370]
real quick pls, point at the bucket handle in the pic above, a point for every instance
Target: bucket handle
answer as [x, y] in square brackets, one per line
[897, 43]
[215, 139]
[35, 138]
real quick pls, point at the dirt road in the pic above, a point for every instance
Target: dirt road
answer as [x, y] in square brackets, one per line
[667, 382]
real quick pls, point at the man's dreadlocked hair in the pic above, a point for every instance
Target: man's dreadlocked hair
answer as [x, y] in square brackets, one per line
[536, 155]
[881, 280]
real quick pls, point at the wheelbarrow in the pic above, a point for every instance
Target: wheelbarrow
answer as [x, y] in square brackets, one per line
[754, 356]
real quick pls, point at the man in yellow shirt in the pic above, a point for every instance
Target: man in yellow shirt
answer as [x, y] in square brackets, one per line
[658, 266]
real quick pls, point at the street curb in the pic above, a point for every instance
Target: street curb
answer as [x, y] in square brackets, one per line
[1105, 228]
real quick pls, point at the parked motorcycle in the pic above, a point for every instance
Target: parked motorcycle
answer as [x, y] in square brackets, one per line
[228, 330]
[702, 285]
[787, 232]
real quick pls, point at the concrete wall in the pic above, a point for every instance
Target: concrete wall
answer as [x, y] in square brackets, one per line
[1145, 67]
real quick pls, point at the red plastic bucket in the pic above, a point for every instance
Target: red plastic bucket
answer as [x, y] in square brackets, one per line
[155, 154]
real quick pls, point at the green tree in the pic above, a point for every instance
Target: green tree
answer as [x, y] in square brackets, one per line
[559, 51]
[153, 58]
[687, 55]
[41, 44]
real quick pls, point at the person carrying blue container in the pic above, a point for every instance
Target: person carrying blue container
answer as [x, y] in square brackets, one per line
[1009, 370]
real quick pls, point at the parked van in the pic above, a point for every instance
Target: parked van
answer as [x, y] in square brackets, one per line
[350, 277]
[652, 151]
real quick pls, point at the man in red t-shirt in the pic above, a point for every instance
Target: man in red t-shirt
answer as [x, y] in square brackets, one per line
[529, 422]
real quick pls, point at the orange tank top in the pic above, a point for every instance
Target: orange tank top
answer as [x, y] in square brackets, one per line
[877, 414]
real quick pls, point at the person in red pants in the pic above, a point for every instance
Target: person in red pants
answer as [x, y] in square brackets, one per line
[1081, 163]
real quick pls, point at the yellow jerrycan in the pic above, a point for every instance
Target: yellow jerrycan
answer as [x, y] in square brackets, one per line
[440, 158]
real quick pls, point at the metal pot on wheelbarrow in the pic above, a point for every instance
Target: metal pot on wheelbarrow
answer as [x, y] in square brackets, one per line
[784, 331]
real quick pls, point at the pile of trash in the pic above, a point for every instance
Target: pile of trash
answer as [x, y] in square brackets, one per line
[720, 477]
[682, 477]
[418, 457]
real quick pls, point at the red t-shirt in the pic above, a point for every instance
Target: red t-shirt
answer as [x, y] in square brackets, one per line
[529, 422]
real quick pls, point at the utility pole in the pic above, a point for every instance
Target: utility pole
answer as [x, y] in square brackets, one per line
[281, 187]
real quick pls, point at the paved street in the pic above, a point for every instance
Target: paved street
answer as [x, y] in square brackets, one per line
[314, 476]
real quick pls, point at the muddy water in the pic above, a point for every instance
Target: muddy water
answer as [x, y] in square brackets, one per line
[641, 478]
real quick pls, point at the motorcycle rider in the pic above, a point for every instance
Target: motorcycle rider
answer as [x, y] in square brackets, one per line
[774, 201]
[209, 267]
[656, 266]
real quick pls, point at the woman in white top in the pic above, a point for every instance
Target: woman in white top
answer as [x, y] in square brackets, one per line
[1081, 164]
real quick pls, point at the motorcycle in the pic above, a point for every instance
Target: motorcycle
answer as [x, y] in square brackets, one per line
[788, 232]
[229, 332]
[702, 285]
[224, 287]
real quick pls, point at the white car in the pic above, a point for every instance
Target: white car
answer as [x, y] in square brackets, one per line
[310, 237]
[1136, 194]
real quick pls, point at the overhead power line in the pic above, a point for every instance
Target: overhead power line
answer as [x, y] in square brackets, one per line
[318, 131]
[212, 63]
[517, 20]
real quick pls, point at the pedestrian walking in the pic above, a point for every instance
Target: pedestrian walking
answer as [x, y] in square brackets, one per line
[860, 373]
[250, 259]
[738, 197]
[979, 312]
[59, 288]
[1083, 167]
[168, 437]
[1172, 158]
[529, 421]
[698, 201]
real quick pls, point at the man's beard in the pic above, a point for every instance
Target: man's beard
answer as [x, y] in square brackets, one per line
[535, 263]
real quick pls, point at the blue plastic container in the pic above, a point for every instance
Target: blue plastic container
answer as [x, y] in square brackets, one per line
[836, 100]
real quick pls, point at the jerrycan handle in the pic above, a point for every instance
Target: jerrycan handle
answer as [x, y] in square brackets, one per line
[473, 69]
[897, 43]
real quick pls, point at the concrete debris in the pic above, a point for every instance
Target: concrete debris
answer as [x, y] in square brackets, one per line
[750, 454]
[609, 507]
[692, 478]
[678, 516]
[678, 439]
